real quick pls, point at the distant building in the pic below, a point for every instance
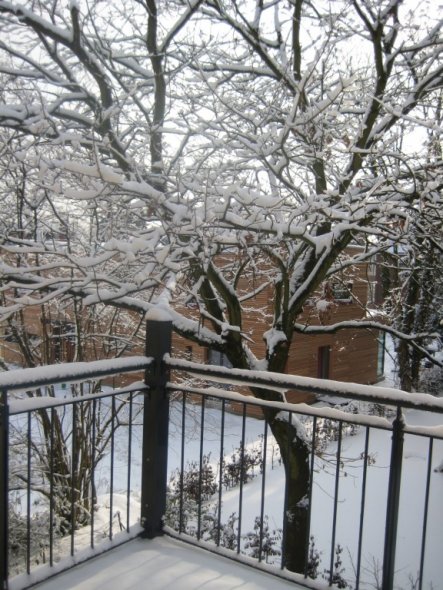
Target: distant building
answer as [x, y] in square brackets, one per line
[352, 354]
[348, 355]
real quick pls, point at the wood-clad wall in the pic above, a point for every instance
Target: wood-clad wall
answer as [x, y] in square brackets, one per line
[352, 352]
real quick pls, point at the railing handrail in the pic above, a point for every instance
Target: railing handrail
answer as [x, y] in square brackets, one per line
[30, 404]
[328, 387]
[32, 378]
[294, 408]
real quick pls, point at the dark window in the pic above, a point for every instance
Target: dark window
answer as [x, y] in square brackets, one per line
[342, 291]
[218, 358]
[11, 335]
[381, 355]
[323, 358]
[63, 341]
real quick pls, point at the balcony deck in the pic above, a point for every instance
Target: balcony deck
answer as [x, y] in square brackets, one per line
[398, 500]
[161, 564]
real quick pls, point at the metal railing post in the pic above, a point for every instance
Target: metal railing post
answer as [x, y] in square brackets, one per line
[155, 427]
[4, 488]
[393, 501]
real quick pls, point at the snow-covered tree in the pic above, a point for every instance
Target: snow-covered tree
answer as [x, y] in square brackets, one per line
[413, 274]
[227, 148]
[58, 329]
[414, 304]
[312, 141]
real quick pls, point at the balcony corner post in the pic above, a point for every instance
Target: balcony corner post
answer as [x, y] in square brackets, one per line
[393, 501]
[4, 483]
[155, 426]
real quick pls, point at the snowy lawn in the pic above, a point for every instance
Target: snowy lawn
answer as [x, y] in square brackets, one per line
[349, 502]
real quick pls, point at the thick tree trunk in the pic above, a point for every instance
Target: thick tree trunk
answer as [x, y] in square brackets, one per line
[415, 317]
[295, 454]
[404, 366]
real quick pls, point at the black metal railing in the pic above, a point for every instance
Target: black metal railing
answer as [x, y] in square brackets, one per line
[332, 428]
[85, 466]
[58, 456]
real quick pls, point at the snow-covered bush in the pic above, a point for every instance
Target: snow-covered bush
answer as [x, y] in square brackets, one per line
[262, 541]
[186, 491]
[337, 579]
[431, 380]
[244, 464]
[20, 530]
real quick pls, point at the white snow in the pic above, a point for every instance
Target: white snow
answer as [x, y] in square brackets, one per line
[21, 379]
[159, 314]
[106, 173]
[163, 564]
[282, 382]
[323, 305]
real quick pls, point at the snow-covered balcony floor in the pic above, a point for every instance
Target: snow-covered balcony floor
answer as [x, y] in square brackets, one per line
[162, 564]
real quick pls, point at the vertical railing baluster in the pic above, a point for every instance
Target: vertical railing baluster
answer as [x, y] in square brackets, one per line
[311, 483]
[182, 461]
[51, 491]
[393, 501]
[263, 490]
[73, 475]
[200, 471]
[336, 486]
[220, 483]
[93, 460]
[28, 495]
[111, 475]
[242, 475]
[362, 510]
[4, 488]
[128, 481]
[425, 515]
[155, 426]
